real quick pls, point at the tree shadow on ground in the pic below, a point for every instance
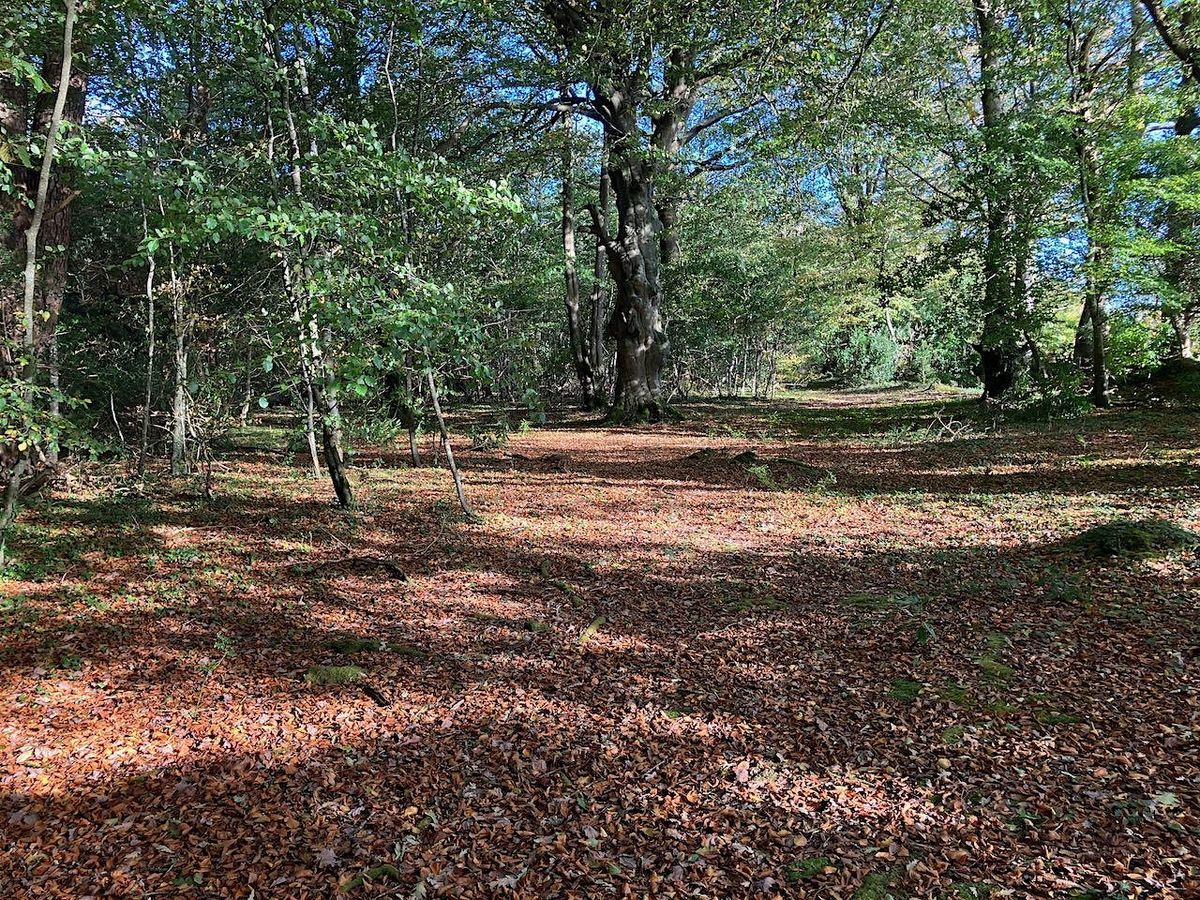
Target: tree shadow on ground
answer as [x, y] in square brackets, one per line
[578, 712]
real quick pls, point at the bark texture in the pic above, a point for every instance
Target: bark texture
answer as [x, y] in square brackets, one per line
[997, 346]
[581, 354]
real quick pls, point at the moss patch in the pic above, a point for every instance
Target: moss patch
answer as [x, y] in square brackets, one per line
[1135, 539]
[905, 689]
[802, 869]
[353, 643]
[877, 886]
[333, 674]
[954, 734]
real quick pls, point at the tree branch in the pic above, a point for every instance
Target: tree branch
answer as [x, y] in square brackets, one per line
[1176, 43]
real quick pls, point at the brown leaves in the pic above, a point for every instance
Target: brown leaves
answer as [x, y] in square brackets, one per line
[644, 678]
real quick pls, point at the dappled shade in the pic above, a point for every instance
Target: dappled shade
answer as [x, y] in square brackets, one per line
[648, 671]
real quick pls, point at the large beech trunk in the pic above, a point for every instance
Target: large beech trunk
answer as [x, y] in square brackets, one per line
[997, 346]
[599, 278]
[636, 325]
[1095, 282]
[1084, 74]
[580, 351]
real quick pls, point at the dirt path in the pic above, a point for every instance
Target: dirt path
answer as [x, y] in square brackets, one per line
[864, 657]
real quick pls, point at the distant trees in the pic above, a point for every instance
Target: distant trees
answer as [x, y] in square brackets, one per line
[319, 207]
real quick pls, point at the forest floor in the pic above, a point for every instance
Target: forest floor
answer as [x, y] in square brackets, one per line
[866, 662]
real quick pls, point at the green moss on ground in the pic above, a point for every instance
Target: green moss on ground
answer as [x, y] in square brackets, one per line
[323, 675]
[1137, 539]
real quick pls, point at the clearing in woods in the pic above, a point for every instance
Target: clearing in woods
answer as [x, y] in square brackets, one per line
[867, 657]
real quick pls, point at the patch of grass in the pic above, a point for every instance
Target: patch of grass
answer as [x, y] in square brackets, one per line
[595, 625]
[878, 886]
[761, 474]
[809, 867]
[1119, 612]
[1140, 539]
[905, 689]
[35, 553]
[989, 662]
[1062, 587]
[996, 642]
[256, 437]
[741, 597]
[954, 734]
[353, 643]
[326, 675]
[993, 669]
[955, 693]
[887, 602]
[183, 555]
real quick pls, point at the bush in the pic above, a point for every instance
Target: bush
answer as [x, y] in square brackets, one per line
[1134, 345]
[868, 356]
[1060, 395]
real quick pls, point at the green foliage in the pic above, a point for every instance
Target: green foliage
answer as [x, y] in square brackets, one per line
[26, 419]
[868, 357]
[1136, 344]
[878, 886]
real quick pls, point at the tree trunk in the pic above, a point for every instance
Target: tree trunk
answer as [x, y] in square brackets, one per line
[580, 352]
[150, 348]
[248, 394]
[633, 258]
[1082, 352]
[1179, 266]
[1181, 333]
[402, 407]
[667, 138]
[316, 344]
[331, 444]
[179, 404]
[441, 422]
[599, 278]
[997, 345]
[1099, 367]
[1087, 159]
[60, 197]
